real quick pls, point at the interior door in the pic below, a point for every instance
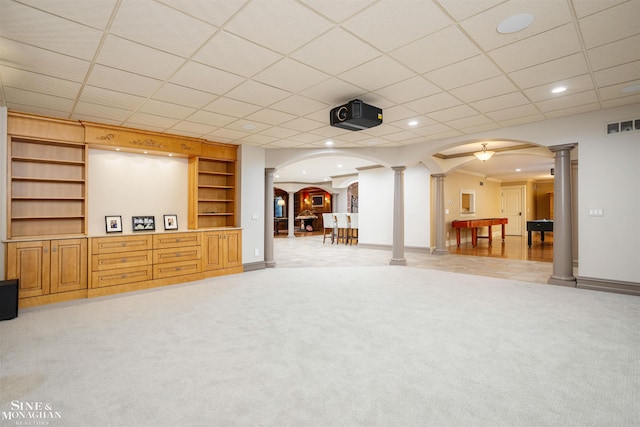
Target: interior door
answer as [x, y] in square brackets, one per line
[512, 201]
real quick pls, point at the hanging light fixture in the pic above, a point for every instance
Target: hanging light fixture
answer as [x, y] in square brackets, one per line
[484, 155]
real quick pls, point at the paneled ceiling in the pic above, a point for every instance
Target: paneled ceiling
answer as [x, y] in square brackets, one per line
[267, 72]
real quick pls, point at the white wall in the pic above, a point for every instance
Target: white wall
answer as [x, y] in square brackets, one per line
[375, 206]
[130, 184]
[252, 202]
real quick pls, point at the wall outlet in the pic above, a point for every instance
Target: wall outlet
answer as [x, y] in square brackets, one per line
[256, 252]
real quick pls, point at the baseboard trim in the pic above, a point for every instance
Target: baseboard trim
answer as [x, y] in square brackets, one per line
[617, 286]
[426, 250]
[253, 266]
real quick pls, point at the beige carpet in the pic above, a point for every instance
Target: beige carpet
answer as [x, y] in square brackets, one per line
[347, 346]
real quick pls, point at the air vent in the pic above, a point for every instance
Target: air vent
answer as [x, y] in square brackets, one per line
[631, 125]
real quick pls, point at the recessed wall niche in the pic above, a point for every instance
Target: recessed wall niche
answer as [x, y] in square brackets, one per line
[130, 184]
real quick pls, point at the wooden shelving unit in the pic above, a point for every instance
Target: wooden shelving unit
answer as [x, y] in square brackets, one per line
[47, 188]
[212, 197]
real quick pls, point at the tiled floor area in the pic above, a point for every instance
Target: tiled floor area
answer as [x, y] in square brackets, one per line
[485, 260]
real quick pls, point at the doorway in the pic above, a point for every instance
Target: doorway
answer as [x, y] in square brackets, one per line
[513, 205]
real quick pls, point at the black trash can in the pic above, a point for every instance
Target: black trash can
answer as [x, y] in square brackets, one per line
[8, 299]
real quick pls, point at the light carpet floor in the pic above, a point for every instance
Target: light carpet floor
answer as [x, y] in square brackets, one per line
[345, 346]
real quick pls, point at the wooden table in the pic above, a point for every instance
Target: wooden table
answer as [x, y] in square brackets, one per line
[540, 225]
[473, 224]
[276, 224]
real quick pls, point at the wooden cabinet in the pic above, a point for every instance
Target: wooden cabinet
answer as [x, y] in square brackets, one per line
[212, 193]
[48, 270]
[222, 249]
[177, 254]
[47, 188]
[120, 260]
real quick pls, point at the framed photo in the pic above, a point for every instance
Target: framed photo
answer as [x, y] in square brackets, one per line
[143, 223]
[317, 201]
[171, 222]
[113, 223]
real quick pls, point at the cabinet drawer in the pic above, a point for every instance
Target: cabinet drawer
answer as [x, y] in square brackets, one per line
[176, 240]
[106, 245]
[161, 256]
[160, 271]
[112, 261]
[101, 279]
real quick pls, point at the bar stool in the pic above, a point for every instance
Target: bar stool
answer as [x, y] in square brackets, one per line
[329, 226]
[342, 225]
[353, 228]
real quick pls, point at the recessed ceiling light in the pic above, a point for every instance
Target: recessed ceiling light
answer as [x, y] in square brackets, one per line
[515, 23]
[248, 126]
[117, 149]
[304, 172]
[145, 152]
[518, 170]
[328, 143]
[170, 155]
[413, 123]
[558, 89]
[339, 166]
[631, 89]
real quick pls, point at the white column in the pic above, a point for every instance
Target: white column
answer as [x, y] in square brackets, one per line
[398, 217]
[562, 228]
[441, 246]
[290, 216]
[268, 218]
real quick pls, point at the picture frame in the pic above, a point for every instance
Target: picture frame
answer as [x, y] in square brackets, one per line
[143, 223]
[113, 223]
[317, 201]
[171, 222]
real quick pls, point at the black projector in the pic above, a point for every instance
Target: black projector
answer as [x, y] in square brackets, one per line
[356, 115]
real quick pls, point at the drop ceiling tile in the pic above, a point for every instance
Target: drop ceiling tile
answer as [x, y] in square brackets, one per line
[41, 100]
[568, 101]
[390, 24]
[229, 134]
[435, 51]
[378, 73]
[281, 25]
[409, 90]
[305, 138]
[258, 140]
[140, 21]
[470, 122]
[110, 98]
[486, 89]
[257, 93]
[205, 78]
[396, 113]
[95, 14]
[577, 84]
[616, 53]
[291, 75]
[143, 119]
[192, 127]
[422, 121]
[231, 107]
[42, 61]
[611, 25]
[523, 120]
[622, 73]
[615, 91]
[495, 103]
[184, 96]
[34, 82]
[166, 109]
[248, 126]
[338, 10]
[299, 105]
[479, 128]
[552, 71]
[573, 110]
[335, 52]
[333, 92]
[547, 16]
[145, 61]
[279, 132]
[269, 116]
[463, 73]
[617, 102]
[36, 28]
[439, 101]
[303, 125]
[464, 9]
[434, 129]
[537, 49]
[211, 119]
[453, 113]
[233, 54]
[122, 81]
[513, 113]
[400, 136]
[588, 7]
[216, 13]
[99, 112]
[83, 118]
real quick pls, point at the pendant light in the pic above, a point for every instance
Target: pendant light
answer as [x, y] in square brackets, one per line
[484, 155]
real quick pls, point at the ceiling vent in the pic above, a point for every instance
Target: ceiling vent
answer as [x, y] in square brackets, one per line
[631, 125]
